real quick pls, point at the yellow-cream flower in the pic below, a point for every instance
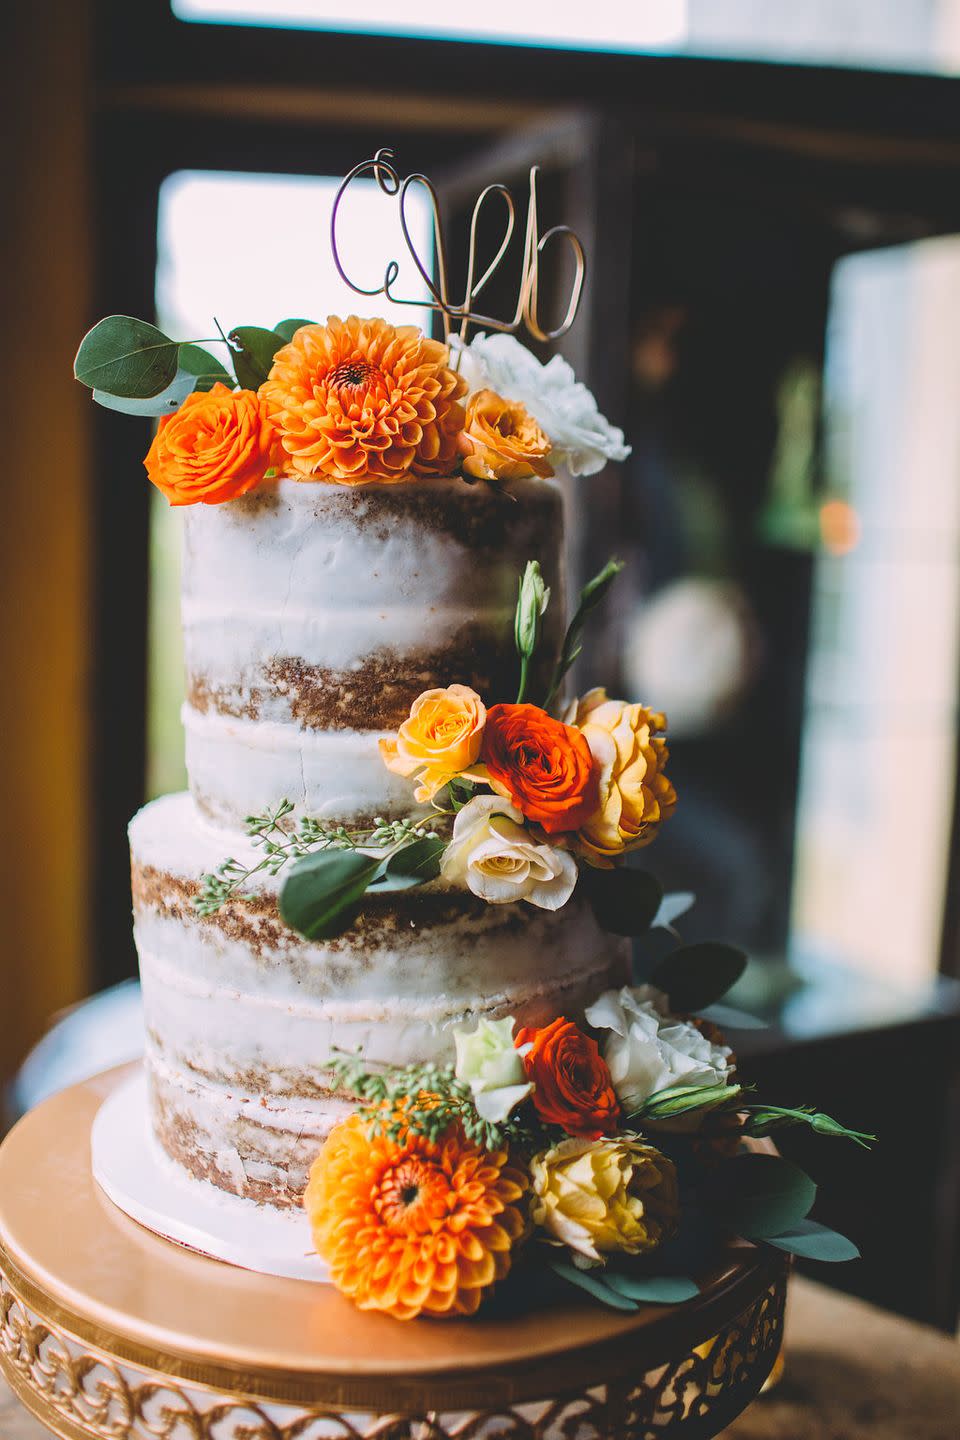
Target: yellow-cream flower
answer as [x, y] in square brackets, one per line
[501, 440]
[600, 1197]
[634, 794]
[441, 738]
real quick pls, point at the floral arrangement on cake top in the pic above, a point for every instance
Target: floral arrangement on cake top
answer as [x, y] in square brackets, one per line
[360, 401]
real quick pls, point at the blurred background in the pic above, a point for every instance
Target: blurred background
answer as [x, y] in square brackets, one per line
[768, 195]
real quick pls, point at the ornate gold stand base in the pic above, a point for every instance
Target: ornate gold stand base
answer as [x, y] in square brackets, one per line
[107, 1331]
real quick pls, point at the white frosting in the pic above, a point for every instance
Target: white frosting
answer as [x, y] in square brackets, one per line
[296, 583]
[244, 767]
[242, 1014]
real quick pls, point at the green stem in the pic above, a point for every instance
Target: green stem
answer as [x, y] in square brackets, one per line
[522, 688]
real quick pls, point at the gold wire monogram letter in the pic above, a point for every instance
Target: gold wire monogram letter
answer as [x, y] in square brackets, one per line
[527, 309]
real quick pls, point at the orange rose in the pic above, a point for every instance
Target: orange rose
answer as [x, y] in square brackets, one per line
[572, 1084]
[441, 738]
[218, 445]
[501, 440]
[357, 401]
[542, 766]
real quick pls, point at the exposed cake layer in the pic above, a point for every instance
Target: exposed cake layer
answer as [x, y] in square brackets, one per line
[315, 614]
[242, 1013]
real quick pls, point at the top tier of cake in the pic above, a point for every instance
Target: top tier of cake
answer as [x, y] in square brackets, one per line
[315, 614]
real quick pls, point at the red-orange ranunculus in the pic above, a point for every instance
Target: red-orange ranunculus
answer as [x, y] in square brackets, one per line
[218, 445]
[572, 1084]
[542, 766]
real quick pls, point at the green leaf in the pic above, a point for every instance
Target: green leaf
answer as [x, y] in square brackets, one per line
[697, 975]
[762, 1119]
[815, 1242]
[759, 1195]
[205, 368]
[415, 864]
[681, 1099]
[590, 597]
[288, 328]
[165, 403]
[653, 1289]
[672, 906]
[253, 359]
[321, 894]
[730, 1018]
[624, 901]
[125, 356]
[588, 1280]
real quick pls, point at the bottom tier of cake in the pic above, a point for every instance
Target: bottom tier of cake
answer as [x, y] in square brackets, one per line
[242, 1014]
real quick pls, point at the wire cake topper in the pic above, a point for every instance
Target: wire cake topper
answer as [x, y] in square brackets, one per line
[527, 309]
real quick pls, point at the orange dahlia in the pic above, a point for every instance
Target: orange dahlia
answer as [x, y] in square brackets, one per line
[360, 400]
[413, 1228]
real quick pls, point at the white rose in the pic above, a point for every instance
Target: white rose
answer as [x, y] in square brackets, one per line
[489, 1062]
[492, 853]
[650, 1050]
[583, 440]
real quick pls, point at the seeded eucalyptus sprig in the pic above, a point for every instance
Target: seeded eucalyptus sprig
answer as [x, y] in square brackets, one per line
[426, 1099]
[280, 845]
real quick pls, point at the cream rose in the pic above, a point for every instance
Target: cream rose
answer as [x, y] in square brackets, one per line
[648, 1049]
[495, 856]
[599, 1197]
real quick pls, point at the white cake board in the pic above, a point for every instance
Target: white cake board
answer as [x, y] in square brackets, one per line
[145, 1184]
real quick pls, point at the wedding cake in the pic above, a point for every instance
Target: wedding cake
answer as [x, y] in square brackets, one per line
[385, 938]
[313, 617]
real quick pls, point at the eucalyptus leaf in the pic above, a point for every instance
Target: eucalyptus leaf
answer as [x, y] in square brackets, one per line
[730, 1018]
[205, 368]
[588, 1280]
[759, 1195]
[288, 328]
[653, 1289]
[672, 906]
[415, 864]
[624, 901]
[127, 357]
[322, 892]
[165, 403]
[695, 976]
[253, 359]
[815, 1242]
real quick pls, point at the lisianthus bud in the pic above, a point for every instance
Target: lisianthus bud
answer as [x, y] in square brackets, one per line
[532, 602]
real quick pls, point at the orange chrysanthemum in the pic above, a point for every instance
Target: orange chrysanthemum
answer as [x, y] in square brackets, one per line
[416, 1227]
[360, 400]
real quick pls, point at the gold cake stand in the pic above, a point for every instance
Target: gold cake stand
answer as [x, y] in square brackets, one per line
[108, 1331]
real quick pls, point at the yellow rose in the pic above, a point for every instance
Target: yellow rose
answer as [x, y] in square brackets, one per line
[598, 1197]
[440, 739]
[634, 794]
[501, 440]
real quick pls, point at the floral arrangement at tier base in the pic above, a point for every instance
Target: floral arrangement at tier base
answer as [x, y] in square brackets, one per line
[608, 1156]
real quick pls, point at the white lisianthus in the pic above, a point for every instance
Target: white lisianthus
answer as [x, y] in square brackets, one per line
[583, 440]
[649, 1049]
[489, 1062]
[495, 856]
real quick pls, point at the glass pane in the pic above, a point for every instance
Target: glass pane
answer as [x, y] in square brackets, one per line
[880, 734]
[884, 34]
[253, 250]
